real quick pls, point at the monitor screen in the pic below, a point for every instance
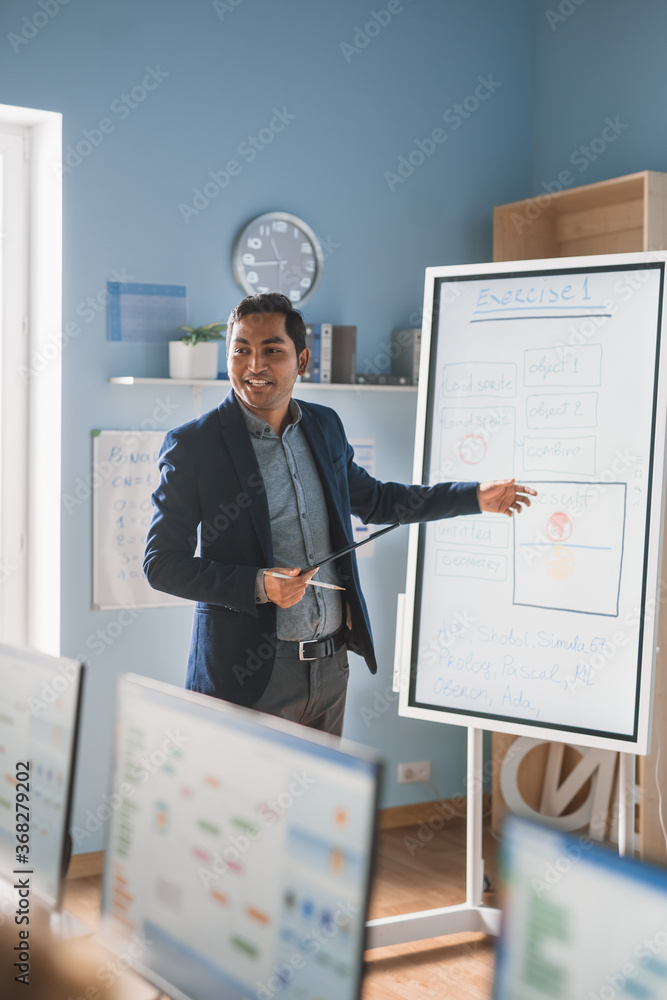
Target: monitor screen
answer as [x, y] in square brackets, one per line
[578, 920]
[39, 714]
[239, 853]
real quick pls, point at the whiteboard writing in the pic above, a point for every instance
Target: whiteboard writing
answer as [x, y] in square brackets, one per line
[510, 297]
[364, 457]
[125, 463]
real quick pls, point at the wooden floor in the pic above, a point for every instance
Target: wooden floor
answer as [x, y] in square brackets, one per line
[410, 878]
[407, 878]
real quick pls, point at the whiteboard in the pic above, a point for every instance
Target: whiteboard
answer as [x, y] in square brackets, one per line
[125, 473]
[543, 624]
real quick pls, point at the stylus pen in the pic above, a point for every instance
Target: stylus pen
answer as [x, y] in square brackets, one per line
[311, 583]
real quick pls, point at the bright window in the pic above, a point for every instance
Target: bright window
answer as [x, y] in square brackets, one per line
[30, 394]
[14, 263]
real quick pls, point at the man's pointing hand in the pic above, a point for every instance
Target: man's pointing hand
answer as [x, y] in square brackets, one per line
[504, 496]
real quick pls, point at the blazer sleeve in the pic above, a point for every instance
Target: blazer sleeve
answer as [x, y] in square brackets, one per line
[170, 563]
[383, 503]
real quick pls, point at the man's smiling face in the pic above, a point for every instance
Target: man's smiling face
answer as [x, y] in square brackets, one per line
[263, 364]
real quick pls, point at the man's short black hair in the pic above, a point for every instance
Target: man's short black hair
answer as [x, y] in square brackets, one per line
[271, 302]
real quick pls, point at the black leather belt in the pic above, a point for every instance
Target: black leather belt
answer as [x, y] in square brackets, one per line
[312, 649]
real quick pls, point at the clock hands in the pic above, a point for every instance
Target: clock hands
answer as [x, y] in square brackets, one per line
[281, 263]
[275, 250]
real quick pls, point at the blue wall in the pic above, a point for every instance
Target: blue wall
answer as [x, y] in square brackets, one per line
[218, 71]
[604, 60]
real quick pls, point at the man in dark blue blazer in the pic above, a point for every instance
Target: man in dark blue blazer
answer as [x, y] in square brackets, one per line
[259, 482]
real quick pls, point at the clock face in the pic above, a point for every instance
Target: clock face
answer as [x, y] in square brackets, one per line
[277, 252]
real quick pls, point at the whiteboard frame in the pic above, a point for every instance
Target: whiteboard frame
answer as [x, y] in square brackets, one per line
[640, 742]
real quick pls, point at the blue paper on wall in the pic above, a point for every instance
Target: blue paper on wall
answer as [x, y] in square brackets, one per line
[145, 313]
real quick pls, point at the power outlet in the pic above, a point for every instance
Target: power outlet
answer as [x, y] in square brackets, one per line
[409, 773]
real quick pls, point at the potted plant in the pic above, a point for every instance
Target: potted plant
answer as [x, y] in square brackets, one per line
[195, 355]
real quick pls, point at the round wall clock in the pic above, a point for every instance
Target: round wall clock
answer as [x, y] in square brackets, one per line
[277, 252]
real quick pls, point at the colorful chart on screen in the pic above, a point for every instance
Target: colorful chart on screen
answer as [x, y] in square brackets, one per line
[240, 852]
[544, 623]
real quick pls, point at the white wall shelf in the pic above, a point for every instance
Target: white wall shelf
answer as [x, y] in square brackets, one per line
[211, 382]
[197, 384]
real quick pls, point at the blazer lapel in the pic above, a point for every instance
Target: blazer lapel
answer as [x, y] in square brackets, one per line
[324, 462]
[239, 445]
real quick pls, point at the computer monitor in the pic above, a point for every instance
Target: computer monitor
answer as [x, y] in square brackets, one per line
[239, 853]
[40, 701]
[579, 922]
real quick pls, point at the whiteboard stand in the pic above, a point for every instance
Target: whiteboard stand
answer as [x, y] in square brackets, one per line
[471, 916]
[626, 804]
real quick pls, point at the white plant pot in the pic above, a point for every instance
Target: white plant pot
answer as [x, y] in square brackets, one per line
[186, 361]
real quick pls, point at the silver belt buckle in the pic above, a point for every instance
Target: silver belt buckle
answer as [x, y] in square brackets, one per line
[302, 643]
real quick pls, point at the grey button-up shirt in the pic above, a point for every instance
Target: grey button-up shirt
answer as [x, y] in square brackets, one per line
[299, 524]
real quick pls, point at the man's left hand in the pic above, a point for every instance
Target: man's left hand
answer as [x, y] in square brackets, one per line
[504, 496]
